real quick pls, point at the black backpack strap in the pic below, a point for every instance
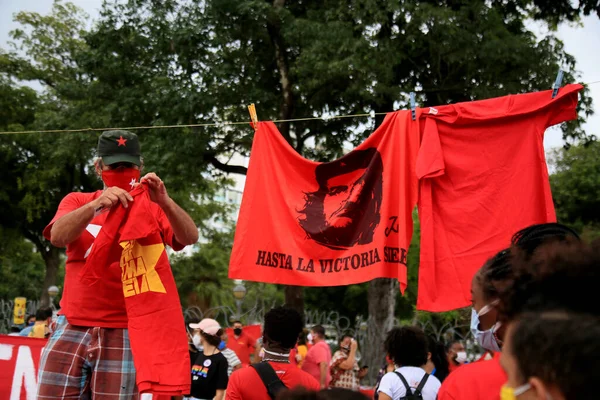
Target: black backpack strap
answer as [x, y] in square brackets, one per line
[419, 389]
[406, 385]
[269, 378]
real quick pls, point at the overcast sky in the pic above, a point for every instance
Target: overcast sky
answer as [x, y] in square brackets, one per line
[581, 42]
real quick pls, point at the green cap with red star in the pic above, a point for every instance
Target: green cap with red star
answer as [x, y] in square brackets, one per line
[119, 146]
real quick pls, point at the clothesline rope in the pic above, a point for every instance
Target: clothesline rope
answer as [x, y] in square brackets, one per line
[206, 125]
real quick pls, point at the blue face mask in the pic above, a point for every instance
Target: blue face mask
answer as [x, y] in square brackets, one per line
[486, 339]
[221, 345]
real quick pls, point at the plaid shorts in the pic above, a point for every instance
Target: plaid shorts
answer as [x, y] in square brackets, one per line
[87, 363]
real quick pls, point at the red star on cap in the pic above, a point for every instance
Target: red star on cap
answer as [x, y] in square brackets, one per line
[121, 141]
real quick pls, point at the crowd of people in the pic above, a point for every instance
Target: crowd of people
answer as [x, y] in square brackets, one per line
[37, 325]
[533, 312]
[539, 333]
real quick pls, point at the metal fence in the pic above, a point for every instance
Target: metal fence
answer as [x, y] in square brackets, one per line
[6, 313]
[335, 326]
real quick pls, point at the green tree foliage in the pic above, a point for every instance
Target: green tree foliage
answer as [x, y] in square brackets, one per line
[202, 277]
[183, 62]
[576, 187]
[21, 267]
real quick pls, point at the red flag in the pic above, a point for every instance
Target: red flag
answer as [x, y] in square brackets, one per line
[155, 320]
[325, 224]
[483, 178]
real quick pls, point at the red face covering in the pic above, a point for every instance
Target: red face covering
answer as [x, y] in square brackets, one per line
[123, 178]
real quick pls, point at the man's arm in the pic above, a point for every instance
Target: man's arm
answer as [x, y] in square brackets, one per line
[70, 226]
[348, 363]
[184, 228]
[323, 381]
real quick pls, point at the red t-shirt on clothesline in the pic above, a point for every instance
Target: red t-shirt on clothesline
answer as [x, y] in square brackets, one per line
[483, 176]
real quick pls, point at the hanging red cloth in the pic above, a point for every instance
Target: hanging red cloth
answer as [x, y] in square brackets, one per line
[483, 176]
[325, 224]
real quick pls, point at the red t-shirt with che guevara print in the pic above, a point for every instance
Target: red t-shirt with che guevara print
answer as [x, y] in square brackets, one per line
[342, 222]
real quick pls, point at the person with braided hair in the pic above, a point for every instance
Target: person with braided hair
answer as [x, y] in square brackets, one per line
[483, 380]
[552, 346]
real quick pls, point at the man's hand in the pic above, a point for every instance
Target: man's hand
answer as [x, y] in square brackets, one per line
[158, 191]
[353, 345]
[110, 197]
[363, 372]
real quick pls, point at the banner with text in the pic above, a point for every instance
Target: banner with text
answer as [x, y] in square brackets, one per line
[19, 362]
[325, 224]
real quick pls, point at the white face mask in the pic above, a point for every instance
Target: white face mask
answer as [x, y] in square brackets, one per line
[461, 357]
[486, 339]
[196, 340]
[309, 337]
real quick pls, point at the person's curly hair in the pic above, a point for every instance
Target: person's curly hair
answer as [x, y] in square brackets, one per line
[557, 276]
[560, 349]
[283, 326]
[407, 346]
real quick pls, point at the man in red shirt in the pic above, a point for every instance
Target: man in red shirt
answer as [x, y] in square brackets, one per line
[281, 330]
[242, 344]
[89, 354]
[318, 357]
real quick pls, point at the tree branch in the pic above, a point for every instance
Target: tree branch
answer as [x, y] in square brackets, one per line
[230, 169]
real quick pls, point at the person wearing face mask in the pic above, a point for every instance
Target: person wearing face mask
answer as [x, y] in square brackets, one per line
[318, 357]
[551, 349]
[344, 369]
[95, 316]
[298, 353]
[483, 380]
[233, 361]
[209, 370]
[456, 355]
[534, 374]
[30, 323]
[243, 345]
[281, 328]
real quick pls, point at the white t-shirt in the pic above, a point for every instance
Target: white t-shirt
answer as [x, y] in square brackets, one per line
[393, 386]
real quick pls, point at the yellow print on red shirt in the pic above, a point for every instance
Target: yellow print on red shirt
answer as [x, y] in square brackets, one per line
[138, 265]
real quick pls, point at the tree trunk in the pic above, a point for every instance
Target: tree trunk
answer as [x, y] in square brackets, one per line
[52, 260]
[381, 296]
[294, 298]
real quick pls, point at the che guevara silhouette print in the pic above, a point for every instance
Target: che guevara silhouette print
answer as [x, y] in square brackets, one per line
[345, 209]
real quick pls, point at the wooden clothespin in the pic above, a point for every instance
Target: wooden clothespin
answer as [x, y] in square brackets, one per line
[253, 116]
[557, 82]
[413, 106]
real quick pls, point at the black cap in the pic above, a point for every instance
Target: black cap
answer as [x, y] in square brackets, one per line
[119, 146]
